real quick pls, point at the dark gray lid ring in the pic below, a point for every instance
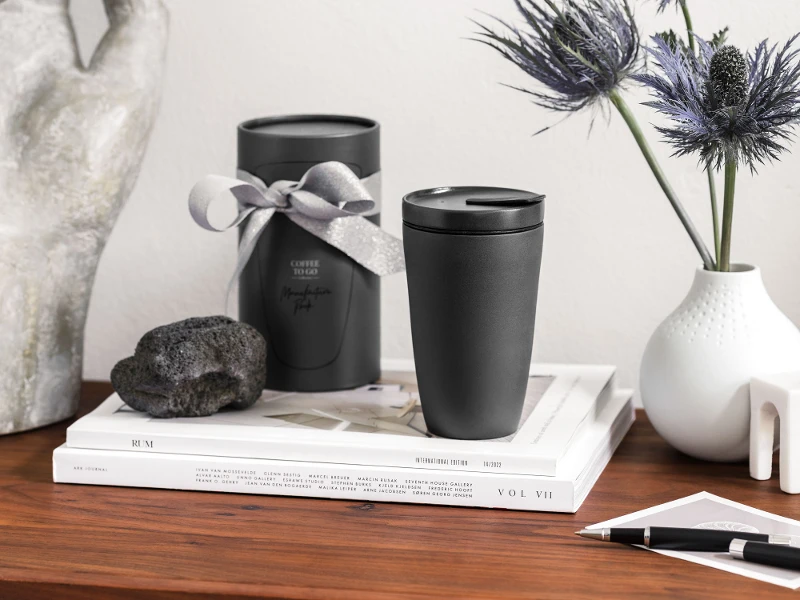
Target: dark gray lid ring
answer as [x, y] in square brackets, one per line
[473, 209]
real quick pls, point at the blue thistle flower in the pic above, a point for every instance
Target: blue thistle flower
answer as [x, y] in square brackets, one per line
[726, 107]
[580, 51]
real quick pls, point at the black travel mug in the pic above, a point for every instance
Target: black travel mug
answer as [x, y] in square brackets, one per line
[318, 309]
[472, 261]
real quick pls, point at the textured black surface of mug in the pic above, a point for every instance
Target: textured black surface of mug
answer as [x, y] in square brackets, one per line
[473, 311]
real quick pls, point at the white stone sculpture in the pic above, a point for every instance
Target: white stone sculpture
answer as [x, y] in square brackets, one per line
[771, 397]
[72, 139]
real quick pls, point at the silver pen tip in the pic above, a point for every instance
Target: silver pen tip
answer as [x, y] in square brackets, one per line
[592, 534]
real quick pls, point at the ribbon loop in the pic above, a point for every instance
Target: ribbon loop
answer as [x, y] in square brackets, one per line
[329, 202]
[216, 187]
[335, 184]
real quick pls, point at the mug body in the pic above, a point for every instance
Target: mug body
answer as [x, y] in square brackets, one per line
[473, 299]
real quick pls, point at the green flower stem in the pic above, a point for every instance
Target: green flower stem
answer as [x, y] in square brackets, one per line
[625, 111]
[712, 192]
[689, 28]
[727, 215]
[712, 186]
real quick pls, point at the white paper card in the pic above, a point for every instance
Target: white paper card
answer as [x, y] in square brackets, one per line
[708, 511]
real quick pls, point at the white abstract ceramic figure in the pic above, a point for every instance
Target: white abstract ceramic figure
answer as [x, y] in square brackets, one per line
[770, 397]
[72, 140]
[697, 367]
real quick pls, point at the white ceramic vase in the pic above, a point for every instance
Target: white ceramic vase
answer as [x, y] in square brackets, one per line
[697, 367]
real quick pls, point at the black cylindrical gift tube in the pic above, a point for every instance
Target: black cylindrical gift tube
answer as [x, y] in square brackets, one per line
[318, 310]
[472, 260]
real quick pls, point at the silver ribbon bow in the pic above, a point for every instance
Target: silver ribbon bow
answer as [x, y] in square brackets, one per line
[328, 202]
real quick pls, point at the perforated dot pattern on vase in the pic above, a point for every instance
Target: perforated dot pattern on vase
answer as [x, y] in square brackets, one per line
[714, 315]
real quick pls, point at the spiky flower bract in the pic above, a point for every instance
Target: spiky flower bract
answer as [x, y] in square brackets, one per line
[673, 40]
[725, 107]
[578, 50]
[663, 4]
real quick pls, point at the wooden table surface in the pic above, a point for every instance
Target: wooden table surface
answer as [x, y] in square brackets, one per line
[79, 542]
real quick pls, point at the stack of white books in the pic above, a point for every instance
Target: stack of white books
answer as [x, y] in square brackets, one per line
[369, 444]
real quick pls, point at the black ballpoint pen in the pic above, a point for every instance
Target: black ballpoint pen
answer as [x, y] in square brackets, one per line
[766, 554]
[678, 538]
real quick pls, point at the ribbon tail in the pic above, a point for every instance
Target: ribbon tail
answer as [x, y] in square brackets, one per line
[360, 239]
[256, 224]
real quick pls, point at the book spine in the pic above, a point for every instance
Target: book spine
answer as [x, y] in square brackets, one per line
[293, 450]
[317, 480]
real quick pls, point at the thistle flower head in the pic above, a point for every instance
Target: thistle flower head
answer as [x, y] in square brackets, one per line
[727, 77]
[725, 106]
[578, 50]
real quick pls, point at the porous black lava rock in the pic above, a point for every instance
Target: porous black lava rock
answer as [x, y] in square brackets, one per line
[193, 368]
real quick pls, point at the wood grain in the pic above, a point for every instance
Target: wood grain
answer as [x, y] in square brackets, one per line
[76, 542]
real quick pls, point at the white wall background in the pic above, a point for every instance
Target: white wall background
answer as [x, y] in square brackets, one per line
[616, 259]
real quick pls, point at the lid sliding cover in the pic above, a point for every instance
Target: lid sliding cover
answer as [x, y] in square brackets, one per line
[479, 210]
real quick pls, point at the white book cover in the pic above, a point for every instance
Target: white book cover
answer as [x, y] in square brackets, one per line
[373, 426]
[564, 492]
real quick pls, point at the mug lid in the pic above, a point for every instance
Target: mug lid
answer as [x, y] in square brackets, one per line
[473, 209]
